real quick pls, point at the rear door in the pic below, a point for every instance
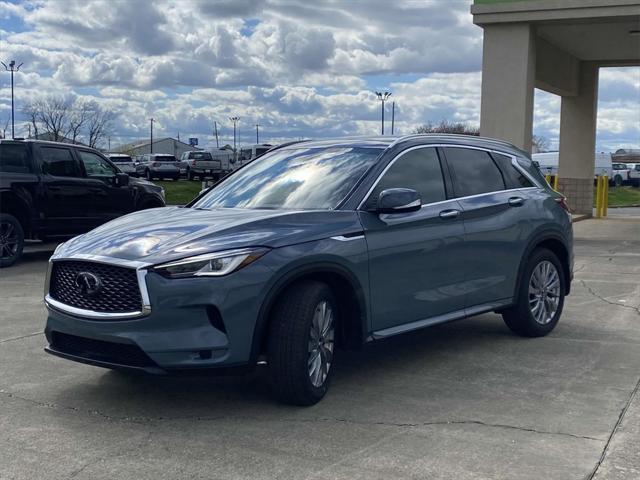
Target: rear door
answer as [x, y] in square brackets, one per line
[108, 200]
[67, 197]
[416, 266]
[496, 224]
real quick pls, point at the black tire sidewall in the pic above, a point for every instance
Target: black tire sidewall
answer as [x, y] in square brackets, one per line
[6, 218]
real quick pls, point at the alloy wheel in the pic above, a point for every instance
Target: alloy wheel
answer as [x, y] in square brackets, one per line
[321, 336]
[544, 292]
[8, 240]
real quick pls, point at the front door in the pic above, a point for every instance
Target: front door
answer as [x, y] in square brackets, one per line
[416, 266]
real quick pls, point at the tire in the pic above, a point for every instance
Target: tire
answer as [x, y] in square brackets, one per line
[293, 342]
[524, 318]
[617, 181]
[148, 175]
[190, 175]
[11, 240]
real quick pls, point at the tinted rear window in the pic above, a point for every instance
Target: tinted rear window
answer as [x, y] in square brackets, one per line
[200, 156]
[121, 159]
[14, 158]
[164, 158]
[474, 172]
[512, 176]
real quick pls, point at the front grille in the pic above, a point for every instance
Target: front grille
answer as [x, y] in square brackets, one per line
[99, 350]
[119, 291]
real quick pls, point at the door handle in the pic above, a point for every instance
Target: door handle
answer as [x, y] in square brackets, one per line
[446, 214]
[516, 201]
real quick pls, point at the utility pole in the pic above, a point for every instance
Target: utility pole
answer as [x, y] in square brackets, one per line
[12, 68]
[151, 142]
[215, 132]
[257, 134]
[109, 143]
[383, 96]
[393, 115]
[235, 123]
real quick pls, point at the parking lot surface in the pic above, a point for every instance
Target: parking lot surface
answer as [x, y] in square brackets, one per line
[462, 400]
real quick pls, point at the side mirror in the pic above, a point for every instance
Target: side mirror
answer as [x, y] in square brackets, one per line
[399, 200]
[122, 180]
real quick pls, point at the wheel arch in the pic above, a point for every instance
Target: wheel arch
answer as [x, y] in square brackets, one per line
[14, 205]
[345, 286]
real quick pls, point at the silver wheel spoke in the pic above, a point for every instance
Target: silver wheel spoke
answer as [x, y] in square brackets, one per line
[320, 343]
[544, 292]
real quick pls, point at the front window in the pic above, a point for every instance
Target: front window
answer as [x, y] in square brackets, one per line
[296, 179]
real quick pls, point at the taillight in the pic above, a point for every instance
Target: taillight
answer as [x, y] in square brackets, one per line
[193, 163]
[155, 164]
[562, 201]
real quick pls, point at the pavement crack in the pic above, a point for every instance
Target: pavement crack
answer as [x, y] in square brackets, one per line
[11, 339]
[621, 416]
[600, 297]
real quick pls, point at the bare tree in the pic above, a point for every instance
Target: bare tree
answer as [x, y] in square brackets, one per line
[4, 128]
[53, 115]
[99, 125]
[78, 118]
[30, 110]
[539, 144]
[446, 126]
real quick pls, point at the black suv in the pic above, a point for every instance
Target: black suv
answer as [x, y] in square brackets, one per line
[50, 189]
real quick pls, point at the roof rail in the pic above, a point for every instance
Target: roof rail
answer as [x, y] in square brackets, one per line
[450, 135]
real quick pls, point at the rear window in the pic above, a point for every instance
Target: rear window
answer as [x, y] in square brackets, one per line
[474, 172]
[14, 158]
[619, 166]
[200, 156]
[122, 159]
[513, 177]
[164, 158]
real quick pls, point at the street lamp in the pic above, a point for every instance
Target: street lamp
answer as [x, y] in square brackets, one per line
[151, 120]
[235, 123]
[383, 96]
[12, 68]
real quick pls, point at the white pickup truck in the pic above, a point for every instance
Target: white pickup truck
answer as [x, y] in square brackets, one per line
[634, 174]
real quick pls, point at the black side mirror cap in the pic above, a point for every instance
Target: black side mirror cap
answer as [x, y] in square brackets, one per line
[399, 200]
[122, 180]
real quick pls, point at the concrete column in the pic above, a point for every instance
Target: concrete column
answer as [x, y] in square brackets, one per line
[508, 76]
[578, 116]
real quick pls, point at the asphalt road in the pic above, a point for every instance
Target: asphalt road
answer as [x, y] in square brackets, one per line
[462, 400]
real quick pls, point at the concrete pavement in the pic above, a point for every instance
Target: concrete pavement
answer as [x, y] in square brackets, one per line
[459, 401]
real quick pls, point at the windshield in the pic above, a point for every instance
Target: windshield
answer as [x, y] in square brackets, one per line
[298, 179]
[164, 158]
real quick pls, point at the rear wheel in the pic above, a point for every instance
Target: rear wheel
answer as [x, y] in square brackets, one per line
[540, 298]
[617, 181]
[11, 240]
[148, 175]
[301, 343]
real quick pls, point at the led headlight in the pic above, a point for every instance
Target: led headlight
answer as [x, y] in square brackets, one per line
[211, 264]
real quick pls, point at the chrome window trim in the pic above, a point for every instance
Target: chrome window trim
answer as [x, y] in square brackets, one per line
[141, 273]
[342, 238]
[514, 162]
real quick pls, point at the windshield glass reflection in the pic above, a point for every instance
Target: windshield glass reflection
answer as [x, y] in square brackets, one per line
[296, 179]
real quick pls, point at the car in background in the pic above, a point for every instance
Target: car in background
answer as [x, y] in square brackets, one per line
[634, 174]
[251, 152]
[51, 190]
[124, 162]
[314, 246]
[158, 165]
[620, 174]
[200, 164]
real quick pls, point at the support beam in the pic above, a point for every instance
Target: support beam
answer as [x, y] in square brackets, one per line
[508, 74]
[578, 117]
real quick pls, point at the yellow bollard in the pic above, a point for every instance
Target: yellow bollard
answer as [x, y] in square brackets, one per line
[605, 195]
[547, 177]
[599, 196]
[555, 182]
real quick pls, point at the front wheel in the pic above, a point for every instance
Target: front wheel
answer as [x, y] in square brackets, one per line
[11, 240]
[148, 175]
[301, 343]
[617, 181]
[540, 296]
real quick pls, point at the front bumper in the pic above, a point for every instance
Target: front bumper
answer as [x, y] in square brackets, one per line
[192, 324]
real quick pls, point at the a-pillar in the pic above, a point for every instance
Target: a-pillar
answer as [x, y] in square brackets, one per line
[508, 76]
[578, 117]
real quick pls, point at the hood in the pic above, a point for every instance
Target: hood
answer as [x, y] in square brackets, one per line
[164, 234]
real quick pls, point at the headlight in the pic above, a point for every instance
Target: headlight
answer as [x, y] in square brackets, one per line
[211, 264]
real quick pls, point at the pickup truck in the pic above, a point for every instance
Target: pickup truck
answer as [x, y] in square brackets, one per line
[200, 164]
[634, 174]
[52, 190]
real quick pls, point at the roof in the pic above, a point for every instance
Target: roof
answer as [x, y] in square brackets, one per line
[389, 140]
[144, 143]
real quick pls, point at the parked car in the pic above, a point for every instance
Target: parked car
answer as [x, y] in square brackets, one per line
[158, 165]
[251, 152]
[620, 174]
[52, 190]
[124, 162]
[199, 164]
[312, 246]
[634, 174]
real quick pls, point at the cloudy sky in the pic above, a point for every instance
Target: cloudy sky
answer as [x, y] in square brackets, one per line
[298, 68]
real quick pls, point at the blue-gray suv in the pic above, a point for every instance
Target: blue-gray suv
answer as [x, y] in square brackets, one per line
[313, 246]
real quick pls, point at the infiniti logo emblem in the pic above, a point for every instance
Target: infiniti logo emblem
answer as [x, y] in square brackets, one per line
[88, 284]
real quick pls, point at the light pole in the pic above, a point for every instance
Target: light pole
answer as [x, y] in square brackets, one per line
[393, 116]
[235, 123]
[151, 136]
[257, 134]
[382, 96]
[12, 68]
